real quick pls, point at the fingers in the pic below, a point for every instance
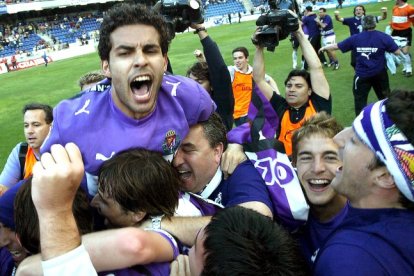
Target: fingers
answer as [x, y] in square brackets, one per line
[231, 158]
[56, 177]
[75, 156]
[47, 161]
[180, 266]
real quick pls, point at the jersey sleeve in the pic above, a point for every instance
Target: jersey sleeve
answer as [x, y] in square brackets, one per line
[11, 171]
[194, 100]
[346, 45]
[321, 104]
[54, 136]
[246, 185]
[167, 236]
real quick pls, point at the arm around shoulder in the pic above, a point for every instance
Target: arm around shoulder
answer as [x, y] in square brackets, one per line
[185, 228]
[128, 246]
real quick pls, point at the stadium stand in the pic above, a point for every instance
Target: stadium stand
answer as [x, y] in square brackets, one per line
[220, 9]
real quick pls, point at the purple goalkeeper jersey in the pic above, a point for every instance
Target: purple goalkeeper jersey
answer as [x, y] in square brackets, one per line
[100, 129]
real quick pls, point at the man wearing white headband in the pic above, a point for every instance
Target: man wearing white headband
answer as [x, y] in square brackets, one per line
[377, 176]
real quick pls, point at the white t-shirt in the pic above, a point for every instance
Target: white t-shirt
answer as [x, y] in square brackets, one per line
[74, 262]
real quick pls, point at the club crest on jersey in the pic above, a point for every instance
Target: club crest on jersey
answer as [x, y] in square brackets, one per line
[171, 142]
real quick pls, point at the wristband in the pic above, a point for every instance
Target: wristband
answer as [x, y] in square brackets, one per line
[156, 221]
[200, 29]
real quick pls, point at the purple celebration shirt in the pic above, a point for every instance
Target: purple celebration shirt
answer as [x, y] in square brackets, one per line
[100, 129]
[369, 48]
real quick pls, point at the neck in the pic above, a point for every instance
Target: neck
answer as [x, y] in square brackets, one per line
[36, 152]
[245, 69]
[373, 202]
[326, 212]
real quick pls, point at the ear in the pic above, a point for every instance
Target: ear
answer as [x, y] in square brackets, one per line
[18, 239]
[309, 91]
[383, 178]
[218, 152]
[138, 216]
[165, 62]
[105, 68]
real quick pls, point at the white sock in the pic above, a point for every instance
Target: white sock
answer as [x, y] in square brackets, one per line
[294, 58]
[407, 63]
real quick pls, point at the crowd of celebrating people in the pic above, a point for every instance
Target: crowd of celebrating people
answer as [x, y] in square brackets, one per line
[149, 173]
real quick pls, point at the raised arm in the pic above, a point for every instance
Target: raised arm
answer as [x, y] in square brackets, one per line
[220, 80]
[338, 17]
[259, 72]
[383, 13]
[319, 82]
[56, 179]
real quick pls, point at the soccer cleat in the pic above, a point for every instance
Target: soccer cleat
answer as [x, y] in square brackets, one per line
[336, 66]
[408, 74]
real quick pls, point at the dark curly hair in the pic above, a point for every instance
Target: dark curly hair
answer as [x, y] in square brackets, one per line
[199, 70]
[400, 109]
[299, 73]
[129, 14]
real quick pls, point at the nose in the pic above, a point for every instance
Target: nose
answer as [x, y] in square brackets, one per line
[29, 129]
[178, 158]
[140, 59]
[318, 165]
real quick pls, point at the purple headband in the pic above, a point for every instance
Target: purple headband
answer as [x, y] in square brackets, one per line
[391, 146]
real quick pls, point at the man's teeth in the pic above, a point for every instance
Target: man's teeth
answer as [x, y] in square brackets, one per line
[182, 172]
[142, 78]
[319, 182]
[16, 253]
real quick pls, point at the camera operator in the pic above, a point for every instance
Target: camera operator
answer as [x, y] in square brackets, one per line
[306, 92]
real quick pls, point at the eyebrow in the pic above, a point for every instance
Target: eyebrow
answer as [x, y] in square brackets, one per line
[304, 152]
[124, 47]
[188, 145]
[324, 153]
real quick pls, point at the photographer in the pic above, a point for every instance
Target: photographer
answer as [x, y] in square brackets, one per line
[306, 92]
